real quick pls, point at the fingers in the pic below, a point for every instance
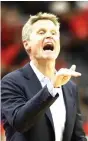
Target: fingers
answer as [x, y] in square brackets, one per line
[73, 72]
[64, 75]
[73, 67]
[69, 72]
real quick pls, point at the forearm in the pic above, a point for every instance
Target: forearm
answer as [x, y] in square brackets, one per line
[20, 112]
[28, 115]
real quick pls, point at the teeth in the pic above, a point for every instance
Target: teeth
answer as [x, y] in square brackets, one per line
[49, 44]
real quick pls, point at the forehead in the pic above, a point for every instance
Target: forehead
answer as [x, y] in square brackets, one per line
[44, 23]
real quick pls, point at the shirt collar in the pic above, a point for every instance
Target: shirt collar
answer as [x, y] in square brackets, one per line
[37, 72]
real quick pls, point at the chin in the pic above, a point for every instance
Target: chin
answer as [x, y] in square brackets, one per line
[50, 57]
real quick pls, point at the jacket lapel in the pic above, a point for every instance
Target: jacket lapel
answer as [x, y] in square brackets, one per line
[69, 103]
[33, 81]
[49, 115]
[35, 87]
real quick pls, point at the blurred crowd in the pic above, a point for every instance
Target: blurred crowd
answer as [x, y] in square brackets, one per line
[73, 37]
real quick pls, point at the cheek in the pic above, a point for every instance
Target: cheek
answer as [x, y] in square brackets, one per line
[36, 46]
[58, 44]
[37, 40]
[58, 47]
[57, 39]
[38, 43]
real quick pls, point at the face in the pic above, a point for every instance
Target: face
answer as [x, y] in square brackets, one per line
[44, 40]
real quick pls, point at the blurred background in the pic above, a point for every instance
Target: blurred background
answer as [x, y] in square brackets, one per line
[73, 38]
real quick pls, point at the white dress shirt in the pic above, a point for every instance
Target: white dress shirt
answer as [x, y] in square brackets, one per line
[57, 109]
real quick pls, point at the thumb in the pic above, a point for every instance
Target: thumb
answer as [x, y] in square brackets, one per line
[73, 67]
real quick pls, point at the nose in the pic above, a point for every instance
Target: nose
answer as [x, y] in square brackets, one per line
[48, 35]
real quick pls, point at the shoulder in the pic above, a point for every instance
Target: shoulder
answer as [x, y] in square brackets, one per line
[13, 76]
[19, 75]
[13, 81]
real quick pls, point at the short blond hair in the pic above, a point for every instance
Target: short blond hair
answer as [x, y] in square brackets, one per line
[26, 30]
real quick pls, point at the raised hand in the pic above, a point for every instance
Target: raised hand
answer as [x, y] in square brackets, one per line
[64, 75]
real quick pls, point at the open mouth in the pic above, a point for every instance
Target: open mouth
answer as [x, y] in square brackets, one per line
[48, 47]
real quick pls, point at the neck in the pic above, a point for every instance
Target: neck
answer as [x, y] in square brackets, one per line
[46, 67]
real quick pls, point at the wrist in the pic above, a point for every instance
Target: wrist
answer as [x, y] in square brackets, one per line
[55, 84]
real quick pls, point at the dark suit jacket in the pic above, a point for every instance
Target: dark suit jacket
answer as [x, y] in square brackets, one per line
[25, 109]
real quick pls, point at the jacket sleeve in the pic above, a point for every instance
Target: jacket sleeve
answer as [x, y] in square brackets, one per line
[20, 112]
[78, 133]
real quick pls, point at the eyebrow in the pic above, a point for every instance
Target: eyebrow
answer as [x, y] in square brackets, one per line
[46, 29]
[41, 29]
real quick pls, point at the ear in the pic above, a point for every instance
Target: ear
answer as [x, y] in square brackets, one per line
[27, 46]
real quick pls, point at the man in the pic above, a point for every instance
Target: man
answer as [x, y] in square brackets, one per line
[38, 102]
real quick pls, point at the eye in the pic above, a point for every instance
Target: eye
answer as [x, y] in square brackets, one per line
[53, 32]
[41, 32]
